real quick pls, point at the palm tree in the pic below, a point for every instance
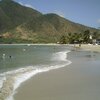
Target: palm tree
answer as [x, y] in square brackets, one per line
[95, 35]
[86, 36]
[63, 40]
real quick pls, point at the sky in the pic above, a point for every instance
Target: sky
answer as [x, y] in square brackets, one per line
[86, 12]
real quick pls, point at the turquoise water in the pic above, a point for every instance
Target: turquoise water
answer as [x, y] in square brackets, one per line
[20, 62]
[21, 56]
[78, 81]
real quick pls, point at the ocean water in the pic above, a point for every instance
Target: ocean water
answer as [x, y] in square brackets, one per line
[77, 81]
[18, 63]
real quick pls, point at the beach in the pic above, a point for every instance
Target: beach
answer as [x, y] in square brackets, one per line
[77, 81]
[18, 63]
[89, 47]
[92, 47]
[49, 72]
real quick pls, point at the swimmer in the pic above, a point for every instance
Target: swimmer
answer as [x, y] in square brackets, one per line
[24, 49]
[3, 56]
[10, 56]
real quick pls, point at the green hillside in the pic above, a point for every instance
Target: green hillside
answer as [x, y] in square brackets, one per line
[13, 14]
[20, 24]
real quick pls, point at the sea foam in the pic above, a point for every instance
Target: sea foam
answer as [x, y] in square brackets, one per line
[11, 80]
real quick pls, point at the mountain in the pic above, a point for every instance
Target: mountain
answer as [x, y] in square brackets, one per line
[22, 24]
[13, 14]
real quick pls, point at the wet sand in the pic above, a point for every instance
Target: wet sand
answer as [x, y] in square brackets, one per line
[78, 81]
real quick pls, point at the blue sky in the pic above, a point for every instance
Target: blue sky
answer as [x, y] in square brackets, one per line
[86, 12]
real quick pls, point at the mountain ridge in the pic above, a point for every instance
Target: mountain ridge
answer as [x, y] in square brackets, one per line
[16, 14]
[21, 23]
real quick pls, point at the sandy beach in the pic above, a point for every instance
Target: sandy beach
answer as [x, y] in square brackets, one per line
[88, 47]
[91, 47]
[77, 81]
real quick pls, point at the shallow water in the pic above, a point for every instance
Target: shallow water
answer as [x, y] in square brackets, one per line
[20, 62]
[77, 81]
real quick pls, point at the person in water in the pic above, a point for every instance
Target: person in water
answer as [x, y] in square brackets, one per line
[10, 56]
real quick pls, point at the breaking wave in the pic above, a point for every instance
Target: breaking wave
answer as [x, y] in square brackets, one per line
[11, 80]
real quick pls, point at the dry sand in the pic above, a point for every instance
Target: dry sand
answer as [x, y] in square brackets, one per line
[89, 47]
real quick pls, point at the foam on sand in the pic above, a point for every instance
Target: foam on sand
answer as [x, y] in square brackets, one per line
[11, 80]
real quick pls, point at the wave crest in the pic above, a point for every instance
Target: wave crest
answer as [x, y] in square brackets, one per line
[11, 80]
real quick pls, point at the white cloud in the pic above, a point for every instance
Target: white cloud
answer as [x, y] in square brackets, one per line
[26, 5]
[98, 21]
[60, 13]
[20, 3]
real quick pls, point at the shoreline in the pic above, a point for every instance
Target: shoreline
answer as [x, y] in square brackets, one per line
[73, 57]
[88, 47]
[34, 44]
[95, 48]
[34, 72]
[72, 82]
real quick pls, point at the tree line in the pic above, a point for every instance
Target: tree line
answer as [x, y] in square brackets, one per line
[84, 37]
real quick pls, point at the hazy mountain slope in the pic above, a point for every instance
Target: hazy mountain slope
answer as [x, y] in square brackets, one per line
[22, 24]
[4, 21]
[13, 14]
[49, 28]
